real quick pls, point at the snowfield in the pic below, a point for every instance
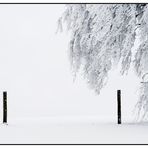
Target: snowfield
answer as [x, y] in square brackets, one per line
[71, 130]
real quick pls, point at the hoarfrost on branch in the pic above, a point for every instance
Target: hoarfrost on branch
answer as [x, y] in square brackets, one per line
[102, 36]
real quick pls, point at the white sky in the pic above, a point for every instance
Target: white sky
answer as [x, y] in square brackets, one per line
[35, 70]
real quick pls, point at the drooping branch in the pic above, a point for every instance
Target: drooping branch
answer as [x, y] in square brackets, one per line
[102, 36]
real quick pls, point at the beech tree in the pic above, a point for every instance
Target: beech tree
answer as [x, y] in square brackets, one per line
[103, 36]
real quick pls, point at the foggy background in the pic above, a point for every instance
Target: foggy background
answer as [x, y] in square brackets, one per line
[36, 73]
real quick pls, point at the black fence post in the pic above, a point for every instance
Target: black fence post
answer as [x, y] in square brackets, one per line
[4, 107]
[119, 106]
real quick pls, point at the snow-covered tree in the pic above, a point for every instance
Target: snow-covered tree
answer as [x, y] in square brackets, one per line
[141, 59]
[102, 36]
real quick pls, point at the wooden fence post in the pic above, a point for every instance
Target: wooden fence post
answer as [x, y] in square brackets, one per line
[119, 106]
[4, 107]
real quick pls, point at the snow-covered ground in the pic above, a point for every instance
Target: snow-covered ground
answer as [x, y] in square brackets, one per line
[71, 130]
[44, 105]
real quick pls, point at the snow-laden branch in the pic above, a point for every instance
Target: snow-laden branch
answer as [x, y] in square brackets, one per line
[103, 35]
